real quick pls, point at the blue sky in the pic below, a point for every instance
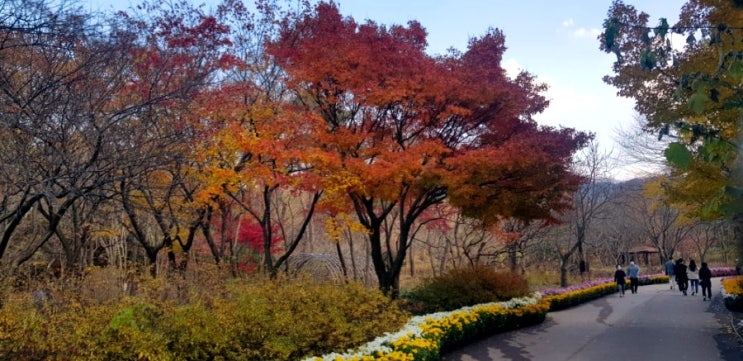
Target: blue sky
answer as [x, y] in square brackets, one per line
[554, 40]
[557, 42]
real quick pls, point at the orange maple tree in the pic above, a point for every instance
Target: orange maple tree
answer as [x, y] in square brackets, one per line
[257, 150]
[415, 130]
[252, 155]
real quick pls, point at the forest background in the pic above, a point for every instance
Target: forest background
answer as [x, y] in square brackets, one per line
[273, 139]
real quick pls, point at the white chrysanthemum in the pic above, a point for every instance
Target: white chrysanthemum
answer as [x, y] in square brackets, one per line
[413, 329]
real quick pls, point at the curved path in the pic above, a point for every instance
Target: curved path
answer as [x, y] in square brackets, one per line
[656, 323]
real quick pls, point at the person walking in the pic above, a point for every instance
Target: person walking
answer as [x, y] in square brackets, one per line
[619, 276]
[669, 266]
[692, 273]
[680, 272]
[633, 272]
[705, 280]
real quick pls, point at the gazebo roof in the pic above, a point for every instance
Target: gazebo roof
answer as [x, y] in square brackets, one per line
[643, 249]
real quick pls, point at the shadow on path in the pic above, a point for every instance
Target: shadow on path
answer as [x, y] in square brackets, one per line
[604, 310]
[514, 350]
[510, 348]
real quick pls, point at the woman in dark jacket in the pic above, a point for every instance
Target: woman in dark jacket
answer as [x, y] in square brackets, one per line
[705, 280]
[681, 279]
[619, 278]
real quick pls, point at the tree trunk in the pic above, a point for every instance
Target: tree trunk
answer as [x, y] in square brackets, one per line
[513, 257]
[352, 255]
[412, 262]
[564, 271]
[152, 260]
[386, 268]
[206, 231]
[380, 265]
[340, 258]
[738, 235]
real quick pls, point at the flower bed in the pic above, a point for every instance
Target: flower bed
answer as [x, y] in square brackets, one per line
[425, 337]
[732, 293]
[732, 287]
[723, 271]
[562, 298]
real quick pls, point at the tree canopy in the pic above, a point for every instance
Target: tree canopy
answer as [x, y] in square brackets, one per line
[686, 80]
[415, 130]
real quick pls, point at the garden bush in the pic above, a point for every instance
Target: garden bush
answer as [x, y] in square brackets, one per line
[257, 319]
[465, 287]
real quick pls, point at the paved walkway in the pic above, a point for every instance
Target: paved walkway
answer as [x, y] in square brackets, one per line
[655, 324]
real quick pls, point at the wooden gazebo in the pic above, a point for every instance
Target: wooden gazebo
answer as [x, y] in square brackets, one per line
[641, 254]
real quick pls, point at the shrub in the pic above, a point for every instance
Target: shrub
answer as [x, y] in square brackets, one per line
[257, 319]
[465, 287]
[287, 319]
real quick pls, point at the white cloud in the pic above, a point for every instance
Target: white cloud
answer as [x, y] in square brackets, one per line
[586, 33]
[512, 67]
[569, 107]
[588, 106]
[597, 111]
[580, 32]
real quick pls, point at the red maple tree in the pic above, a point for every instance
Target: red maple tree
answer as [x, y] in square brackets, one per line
[417, 130]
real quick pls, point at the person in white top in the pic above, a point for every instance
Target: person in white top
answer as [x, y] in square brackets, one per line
[693, 274]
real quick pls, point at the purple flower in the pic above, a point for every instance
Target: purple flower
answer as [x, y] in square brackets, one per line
[591, 283]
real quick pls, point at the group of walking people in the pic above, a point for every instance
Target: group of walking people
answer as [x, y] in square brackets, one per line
[690, 276]
[677, 271]
[620, 277]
